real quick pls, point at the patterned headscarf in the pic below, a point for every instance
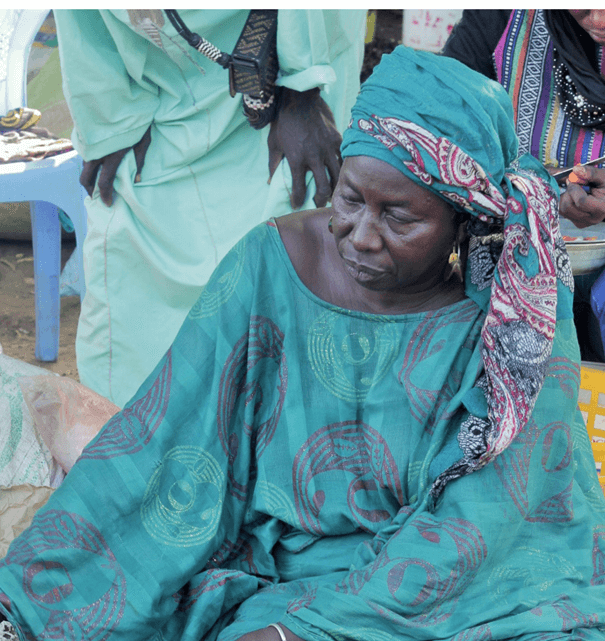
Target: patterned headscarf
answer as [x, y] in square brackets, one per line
[451, 130]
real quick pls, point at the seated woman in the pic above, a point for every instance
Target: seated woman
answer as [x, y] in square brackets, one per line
[352, 437]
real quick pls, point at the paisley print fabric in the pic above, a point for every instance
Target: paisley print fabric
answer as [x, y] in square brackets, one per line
[291, 461]
[242, 486]
[470, 161]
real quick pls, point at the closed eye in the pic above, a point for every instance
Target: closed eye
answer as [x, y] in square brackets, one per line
[350, 197]
[398, 217]
[350, 200]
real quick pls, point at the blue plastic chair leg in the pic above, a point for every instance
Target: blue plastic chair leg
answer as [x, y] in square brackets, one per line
[46, 238]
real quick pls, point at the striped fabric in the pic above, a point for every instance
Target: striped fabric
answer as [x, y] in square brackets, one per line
[524, 64]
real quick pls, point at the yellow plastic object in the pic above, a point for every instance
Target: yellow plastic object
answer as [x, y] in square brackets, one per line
[591, 402]
[370, 26]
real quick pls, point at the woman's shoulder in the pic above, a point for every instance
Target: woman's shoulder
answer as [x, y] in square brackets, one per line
[303, 235]
[301, 224]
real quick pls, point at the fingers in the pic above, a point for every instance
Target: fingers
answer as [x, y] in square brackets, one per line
[140, 151]
[299, 188]
[106, 168]
[329, 156]
[89, 173]
[597, 177]
[310, 142]
[276, 154]
[326, 177]
[275, 157]
[583, 201]
[583, 209]
[108, 174]
[333, 163]
[588, 174]
[323, 186]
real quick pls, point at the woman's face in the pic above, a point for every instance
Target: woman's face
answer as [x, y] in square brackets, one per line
[391, 233]
[592, 21]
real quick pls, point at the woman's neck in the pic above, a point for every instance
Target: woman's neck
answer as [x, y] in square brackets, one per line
[315, 258]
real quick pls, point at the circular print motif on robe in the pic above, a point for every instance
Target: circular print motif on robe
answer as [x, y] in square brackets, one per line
[517, 575]
[276, 501]
[221, 285]
[349, 356]
[70, 572]
[183, 500]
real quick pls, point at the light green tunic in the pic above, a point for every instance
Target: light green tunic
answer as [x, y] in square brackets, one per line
[204, 183]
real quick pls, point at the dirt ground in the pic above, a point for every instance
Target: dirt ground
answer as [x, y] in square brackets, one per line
[17, 313]
[17, 309]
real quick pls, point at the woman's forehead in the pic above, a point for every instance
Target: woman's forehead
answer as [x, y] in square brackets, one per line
[369, 167]
[381, 181]
[369, 172]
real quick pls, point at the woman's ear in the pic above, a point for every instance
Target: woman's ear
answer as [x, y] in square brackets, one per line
[462, 233]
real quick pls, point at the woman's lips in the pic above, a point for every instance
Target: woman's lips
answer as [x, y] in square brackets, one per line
[362, 273]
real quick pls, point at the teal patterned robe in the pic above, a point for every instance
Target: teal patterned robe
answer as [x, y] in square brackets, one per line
[277, 466]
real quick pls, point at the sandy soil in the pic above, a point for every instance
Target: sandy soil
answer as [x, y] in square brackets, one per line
[17, 313]
[17, 309]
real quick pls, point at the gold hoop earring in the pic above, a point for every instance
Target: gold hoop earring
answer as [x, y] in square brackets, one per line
[455, 264]
[330, 225]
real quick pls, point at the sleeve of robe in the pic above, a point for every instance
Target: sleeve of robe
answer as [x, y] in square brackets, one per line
[120, 537]
[113, 101]
[308, 41]
[515, 550]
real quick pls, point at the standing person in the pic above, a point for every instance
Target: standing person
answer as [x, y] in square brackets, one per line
[175, 172]
[551, 62]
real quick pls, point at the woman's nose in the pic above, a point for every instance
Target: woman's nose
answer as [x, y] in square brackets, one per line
[365, 235]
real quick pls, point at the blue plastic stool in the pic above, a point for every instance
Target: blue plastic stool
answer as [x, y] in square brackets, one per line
[49, 185]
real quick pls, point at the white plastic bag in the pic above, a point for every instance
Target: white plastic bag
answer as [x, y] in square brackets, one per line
[66, 414]
[24, 457]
